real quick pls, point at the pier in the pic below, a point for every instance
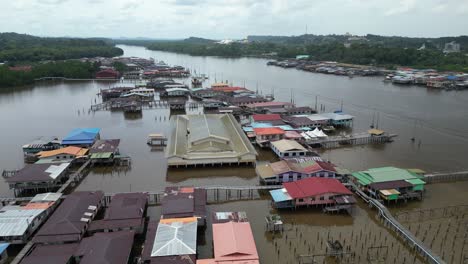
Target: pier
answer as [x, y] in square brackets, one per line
[154, 104]
[446, 177]
[354, 139]
[392, 223]
[75, 177]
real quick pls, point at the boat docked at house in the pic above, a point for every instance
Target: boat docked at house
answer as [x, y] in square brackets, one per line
[146, 92]
[402, 79]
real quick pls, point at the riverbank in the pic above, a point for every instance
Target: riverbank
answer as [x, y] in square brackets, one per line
[65, 69]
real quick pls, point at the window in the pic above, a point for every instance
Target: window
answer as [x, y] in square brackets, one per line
[322, 198]
[301, 200]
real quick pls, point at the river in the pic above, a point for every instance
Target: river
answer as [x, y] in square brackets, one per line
[437, 119]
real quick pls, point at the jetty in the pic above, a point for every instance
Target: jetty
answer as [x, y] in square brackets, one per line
[393, 224]
[350, 140]
[445, 177]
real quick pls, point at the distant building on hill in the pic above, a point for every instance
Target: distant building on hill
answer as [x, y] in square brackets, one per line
[451, 47]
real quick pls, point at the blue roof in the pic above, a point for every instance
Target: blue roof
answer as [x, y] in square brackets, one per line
[81, 136]
[280, 195]
[3, 247]
[260, 125]
[286, 127]
[247, 129]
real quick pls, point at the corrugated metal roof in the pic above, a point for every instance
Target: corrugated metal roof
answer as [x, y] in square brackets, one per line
[280, 195]
[175, 238]
[39, 172]
[14, 221]
[266, 117]
[71, 150]
[384, 174]
[46, 197]
[112, 248]
[50, 254]
[105, 145]
[81, 136]
[287, 145]
[269, 131]
[315, 186]
[234, 241]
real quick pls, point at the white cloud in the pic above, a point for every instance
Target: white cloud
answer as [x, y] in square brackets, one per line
[401, 7]
[232, 18]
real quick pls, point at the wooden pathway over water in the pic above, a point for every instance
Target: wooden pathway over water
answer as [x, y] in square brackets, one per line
[351, 140]
[390, 222]
[446, 177]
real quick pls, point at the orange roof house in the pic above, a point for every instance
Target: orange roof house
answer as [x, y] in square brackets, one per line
[268, 131]
[68, 151]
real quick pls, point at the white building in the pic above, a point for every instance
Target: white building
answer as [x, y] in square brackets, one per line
[451, 47]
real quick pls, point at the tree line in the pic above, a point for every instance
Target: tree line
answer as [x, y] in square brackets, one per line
[18, 48]
[66, 69]
[358, 53]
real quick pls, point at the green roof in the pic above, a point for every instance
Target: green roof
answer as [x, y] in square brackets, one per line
[385, 174]
[416, 181]
[102, 155]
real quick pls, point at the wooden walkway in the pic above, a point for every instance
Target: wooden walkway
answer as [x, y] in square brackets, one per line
[155, 104]
[399, 229]
[354, 139]
[445, 177]
[75, 177]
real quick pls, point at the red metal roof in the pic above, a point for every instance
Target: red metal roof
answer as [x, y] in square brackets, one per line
[227, 89]
[268, 131]
[266, 117]
[315, 186]
[267, 104]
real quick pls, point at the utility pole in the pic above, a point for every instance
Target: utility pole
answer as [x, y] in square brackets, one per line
[316, 101]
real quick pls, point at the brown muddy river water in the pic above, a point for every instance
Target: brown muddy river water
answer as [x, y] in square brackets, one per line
[437, 119]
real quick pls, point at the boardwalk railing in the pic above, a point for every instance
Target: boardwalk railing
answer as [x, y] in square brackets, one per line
[354, 139]
[75, 177]
[444, 177]
[391, 222]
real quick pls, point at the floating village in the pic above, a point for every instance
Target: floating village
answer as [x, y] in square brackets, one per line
[405, 76]
[216, 125]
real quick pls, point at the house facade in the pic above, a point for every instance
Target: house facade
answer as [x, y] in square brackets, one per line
[290, 170]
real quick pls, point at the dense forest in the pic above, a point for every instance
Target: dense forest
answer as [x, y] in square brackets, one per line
[66, 69]
[48, 57]
[17, 48]
[380, 51]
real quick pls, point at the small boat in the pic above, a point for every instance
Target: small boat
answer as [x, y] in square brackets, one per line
[402, 80]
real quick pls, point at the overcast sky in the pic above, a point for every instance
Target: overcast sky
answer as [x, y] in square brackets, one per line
[233, 18]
